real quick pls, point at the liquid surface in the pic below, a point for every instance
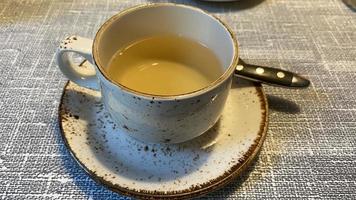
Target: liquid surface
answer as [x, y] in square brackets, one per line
[165, 65]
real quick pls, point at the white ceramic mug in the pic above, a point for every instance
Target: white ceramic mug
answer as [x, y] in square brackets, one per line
[146, 117]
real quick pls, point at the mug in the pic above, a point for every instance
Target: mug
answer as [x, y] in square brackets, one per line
[148, 117]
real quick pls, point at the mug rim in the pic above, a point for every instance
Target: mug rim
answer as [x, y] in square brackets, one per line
[227, 72]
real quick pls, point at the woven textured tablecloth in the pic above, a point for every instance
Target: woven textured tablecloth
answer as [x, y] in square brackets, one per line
[309, 151]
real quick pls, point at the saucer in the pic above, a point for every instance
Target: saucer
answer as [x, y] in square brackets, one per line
[165, 171]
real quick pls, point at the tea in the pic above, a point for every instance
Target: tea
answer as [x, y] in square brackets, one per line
[165, 65]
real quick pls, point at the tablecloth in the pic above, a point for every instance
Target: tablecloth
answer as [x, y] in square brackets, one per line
[309, 151]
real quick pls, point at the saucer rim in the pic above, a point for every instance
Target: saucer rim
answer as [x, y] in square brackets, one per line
[196, 191]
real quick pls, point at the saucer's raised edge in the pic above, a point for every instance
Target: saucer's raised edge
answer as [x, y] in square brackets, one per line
[196, 191]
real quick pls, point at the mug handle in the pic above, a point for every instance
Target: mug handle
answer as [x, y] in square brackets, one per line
[84, 73]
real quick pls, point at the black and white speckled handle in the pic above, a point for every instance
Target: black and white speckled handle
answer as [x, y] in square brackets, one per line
[269, 75]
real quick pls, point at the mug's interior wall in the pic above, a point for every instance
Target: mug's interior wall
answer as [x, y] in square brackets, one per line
[165, 19]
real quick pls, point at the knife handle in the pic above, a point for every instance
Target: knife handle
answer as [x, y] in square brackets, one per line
[271, 76]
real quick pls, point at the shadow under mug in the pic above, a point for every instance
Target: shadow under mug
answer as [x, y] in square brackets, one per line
[148, 117]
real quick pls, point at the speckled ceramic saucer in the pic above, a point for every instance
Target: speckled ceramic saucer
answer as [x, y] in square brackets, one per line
[142, 170]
